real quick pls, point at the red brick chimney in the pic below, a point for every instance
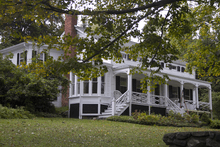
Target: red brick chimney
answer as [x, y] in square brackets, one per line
[70, 21]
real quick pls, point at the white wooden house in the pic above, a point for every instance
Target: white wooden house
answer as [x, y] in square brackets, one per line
[118, 92]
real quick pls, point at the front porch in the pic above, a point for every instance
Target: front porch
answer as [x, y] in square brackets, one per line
[179, 95]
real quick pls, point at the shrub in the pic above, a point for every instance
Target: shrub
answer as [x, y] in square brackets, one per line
[122, 119]
[205, 118]
[11, 113]
[135, 114]
[195, 118]
[63, 111]
[187, 117]
[215, 124]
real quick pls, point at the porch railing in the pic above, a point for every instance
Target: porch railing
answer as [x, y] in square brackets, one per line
[158, 100]
[124, 98]
[139, 97]
[204, 106]
[172, 106]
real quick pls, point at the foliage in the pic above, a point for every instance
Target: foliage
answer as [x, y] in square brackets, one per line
[63, 111]
[115, 22]
[172, 120]
[215, 124]
[195, 118]
[10, 113]
[205, 118]
[200, 47]
[22, 86]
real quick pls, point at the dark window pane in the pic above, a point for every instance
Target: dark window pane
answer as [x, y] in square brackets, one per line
[86, 87]
[162, 64]
[170, 66]
[178, 68]
[94, 87]
[182, 69]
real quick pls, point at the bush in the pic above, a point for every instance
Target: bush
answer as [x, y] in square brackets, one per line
[195, 118]
[11, 113]
[205, 118]
[62, 111]
[48, 115]
[215, 124]
[122, 119]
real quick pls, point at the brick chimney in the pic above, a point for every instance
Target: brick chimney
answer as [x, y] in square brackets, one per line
[70, 21]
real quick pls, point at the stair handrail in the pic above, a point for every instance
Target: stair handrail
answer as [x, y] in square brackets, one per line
[123, 98]
[173, 106]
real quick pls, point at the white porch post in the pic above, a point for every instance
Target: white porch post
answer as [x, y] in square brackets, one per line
[210, 97]
[181, 94]
[165, 94]
[130, 91]
[197, 96]
[194, 97]
[99, 86]
[113, 106]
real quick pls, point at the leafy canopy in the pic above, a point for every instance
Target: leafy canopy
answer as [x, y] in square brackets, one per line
[170, 26]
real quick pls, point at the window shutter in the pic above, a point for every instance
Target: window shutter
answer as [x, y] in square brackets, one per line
[134, 85]
[45, 56]
[34, 53]
[170, 91]
[18, 58]
[25, 58]
[118, 83]
[191, 94]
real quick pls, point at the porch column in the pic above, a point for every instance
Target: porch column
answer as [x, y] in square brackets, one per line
[130, 91]
[210, 97]
[165, 93]
[197, 96]
[99, 86]
[194, 97]
[181, 94]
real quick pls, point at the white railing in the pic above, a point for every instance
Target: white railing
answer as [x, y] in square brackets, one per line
[138, 97]
[205, 106]
[124, 98]
[158, 100]
[172, 106]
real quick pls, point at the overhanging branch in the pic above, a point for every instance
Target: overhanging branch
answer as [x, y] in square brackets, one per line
[91, 12]
[123, 33]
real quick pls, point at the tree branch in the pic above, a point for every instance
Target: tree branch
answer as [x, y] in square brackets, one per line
[152, 59]
[123, 33]
[90, 12]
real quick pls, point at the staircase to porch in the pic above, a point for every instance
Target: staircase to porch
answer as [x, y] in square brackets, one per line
[120, 104]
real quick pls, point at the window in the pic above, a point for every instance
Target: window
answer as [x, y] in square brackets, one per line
[86, 87]
[182, 69]
[102, 84]
[139, 59]
[128, 57]
[123, 56]
[175, 92]
[178, 68]
[94, 85]
[22, 57]
[78, 85]
[138, 86]
[174, 67]
[162, 64]
[170, 66]
[39, 57]
[73, 84]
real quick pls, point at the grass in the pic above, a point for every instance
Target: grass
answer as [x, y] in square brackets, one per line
[74, 132]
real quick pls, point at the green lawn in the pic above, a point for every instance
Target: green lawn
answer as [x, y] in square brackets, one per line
[73, 132]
